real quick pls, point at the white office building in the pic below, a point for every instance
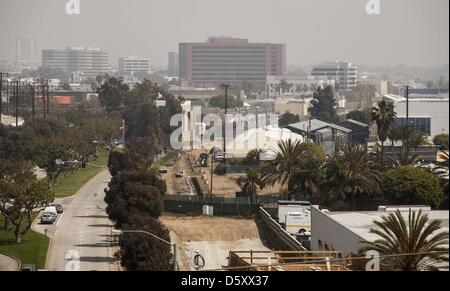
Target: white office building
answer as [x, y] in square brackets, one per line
[132, 64]
[344, 73]
[92, 62]
[428, 114]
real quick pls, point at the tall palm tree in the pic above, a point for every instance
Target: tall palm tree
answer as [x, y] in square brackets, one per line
[283, 169]
[352, 172]
[414, 245]
[250, 183]
[383, 115]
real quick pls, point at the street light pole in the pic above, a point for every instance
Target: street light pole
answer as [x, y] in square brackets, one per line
[174, 246]
[225, 86]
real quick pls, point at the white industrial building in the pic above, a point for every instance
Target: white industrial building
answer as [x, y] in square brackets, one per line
[344, 73]
[346, 231]
[428, 114]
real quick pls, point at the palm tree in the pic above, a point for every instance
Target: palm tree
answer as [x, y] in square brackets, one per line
[250, 183]
[444, 164]
[285, 166]
[383, 115]
[414, 245]
[395, 134]
[352, 173]
[403, 158]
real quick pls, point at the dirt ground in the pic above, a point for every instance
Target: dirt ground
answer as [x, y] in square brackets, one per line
[213, 237]
[223, 186]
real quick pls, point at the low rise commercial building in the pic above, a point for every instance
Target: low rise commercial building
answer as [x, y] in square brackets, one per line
[347, 231]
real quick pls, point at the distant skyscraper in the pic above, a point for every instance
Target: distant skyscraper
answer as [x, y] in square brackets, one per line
[173, 64]
[345, 74]
[230, 60]
[91, 62]
[131, 65]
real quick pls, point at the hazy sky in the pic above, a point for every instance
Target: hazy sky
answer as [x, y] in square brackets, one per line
[412, 32]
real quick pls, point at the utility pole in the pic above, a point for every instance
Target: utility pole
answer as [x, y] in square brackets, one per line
[48, 97]
[1, 92]
[17, 102]
[43, 96]
[33, 95]
[407, 106]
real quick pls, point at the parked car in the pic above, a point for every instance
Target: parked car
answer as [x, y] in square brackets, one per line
[179, 175]
[59, 208]
[48, 218]
[163, 171]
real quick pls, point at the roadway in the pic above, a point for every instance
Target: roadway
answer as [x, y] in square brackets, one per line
[81, 235]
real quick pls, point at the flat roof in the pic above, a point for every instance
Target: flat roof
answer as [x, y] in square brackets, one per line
[360, 223]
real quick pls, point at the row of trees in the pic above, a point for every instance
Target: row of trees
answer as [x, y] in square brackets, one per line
[134, 202]
[58, 145]
[135, 194]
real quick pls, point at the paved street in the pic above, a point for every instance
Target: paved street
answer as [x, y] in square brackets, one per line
[81, 235]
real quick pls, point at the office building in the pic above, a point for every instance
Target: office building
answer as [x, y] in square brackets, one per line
[132, 64]
[173, 64]
[230, 60]
[429, 114]
[90, 61]
[345, 74]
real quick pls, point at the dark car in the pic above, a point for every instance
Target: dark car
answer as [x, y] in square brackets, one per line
[58, 207]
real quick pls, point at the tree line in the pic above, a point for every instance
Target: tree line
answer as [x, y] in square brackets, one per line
[135, 194]
[57, 145]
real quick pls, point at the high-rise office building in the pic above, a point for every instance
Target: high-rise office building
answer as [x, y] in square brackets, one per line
[344, 73]
[131, 65]
[89, 61]
[173, 64]
[230, 60]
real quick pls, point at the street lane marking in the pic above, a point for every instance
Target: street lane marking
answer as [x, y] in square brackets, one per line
[57, 223]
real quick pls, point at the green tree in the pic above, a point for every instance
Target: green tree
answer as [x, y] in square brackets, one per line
[442, 140]
[288, 118]
[352, 174]
[411, 185]
[20, 194]
[416, 244]
[383, 115]
[324, 105]
[293, 168]
[219, 102]
[363, 116]
[112, 93]
[250, 184]
[134, 192]
[142, 252]
[403, 158]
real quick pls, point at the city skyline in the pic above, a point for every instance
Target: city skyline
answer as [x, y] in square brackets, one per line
[344, 32]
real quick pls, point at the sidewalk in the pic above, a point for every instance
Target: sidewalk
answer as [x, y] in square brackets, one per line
[8, 264]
